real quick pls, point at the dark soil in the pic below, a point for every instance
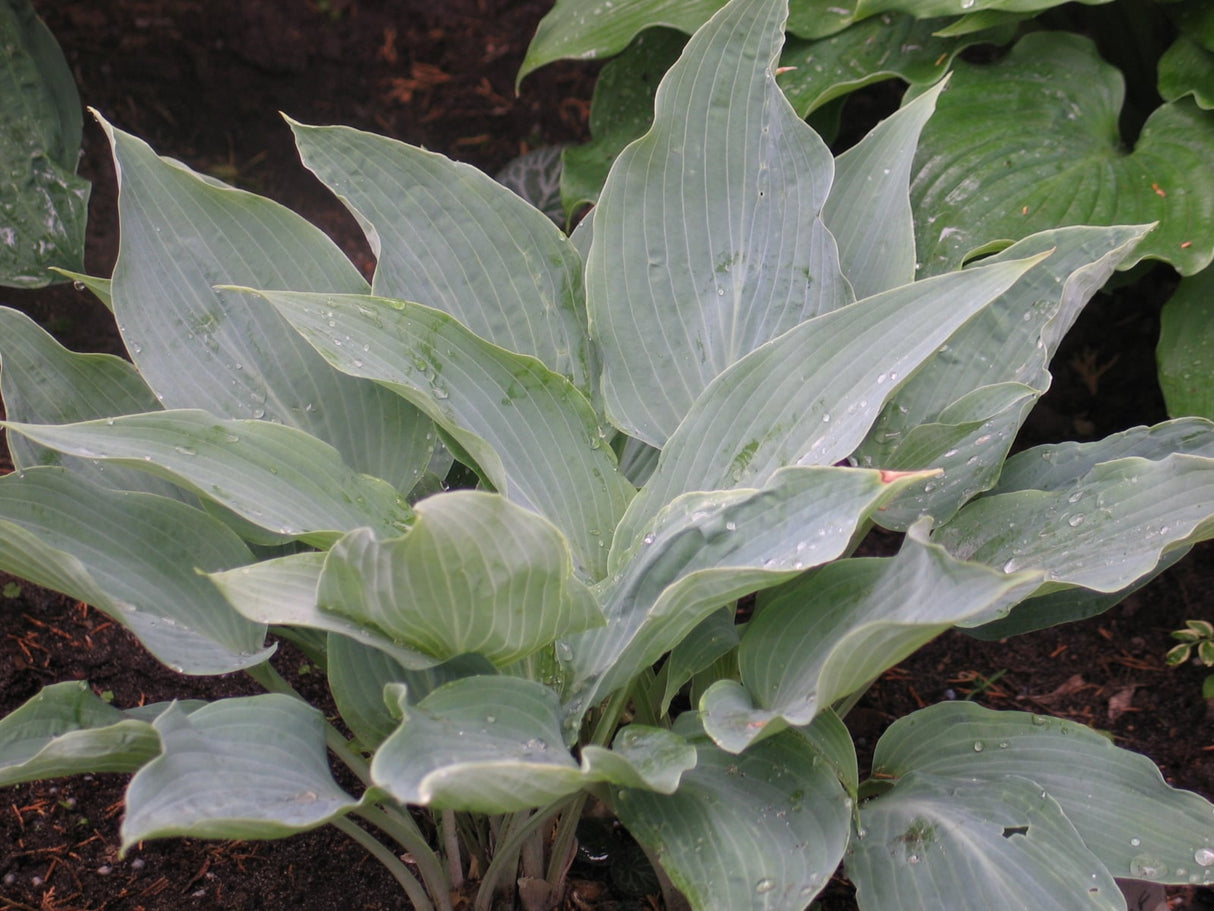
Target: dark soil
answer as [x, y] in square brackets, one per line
[203, 80]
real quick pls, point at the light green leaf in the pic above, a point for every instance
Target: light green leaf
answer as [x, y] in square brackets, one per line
[620, 111]
[763, 830]
[1003, 844]
[100, 287]
[66, 730]
[887, 47]
[868, 210]
[475, 574]
[1148, 831]
[1185, 352]
[43, 204]
[707, 242]
[828, 634]
[44, 383]
[529, 431]
[449, 236]
[484, 744]
[251, 767]
[962, 408]
[199, 347]
[275, 476]
[573, 29]
[1187, 68]
[811, 395]
[134, 556]
[1101, 532]
[994, 166]
[707, 549]
[652, 759]
[283, 592]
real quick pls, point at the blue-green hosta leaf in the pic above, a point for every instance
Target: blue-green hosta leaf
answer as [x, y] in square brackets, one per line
[66, 730]
[43, 204]
[283, 592]
[450, 237]
[1148, 831]
[1187, 68]
[199, 347]
[887, 47]
[763, 830]
[707, 549]
[868, 210]
[275, 476]
[993, 164]
[44, 383]
[358, 674]
[529, 431]
[475, 574]
[1185, 353]
[573, 28]
[134, 556]
[962, 408]
[484, 744]
[828, 634]
[811, 395]
[252, 767]
[620, 111]
[1003, 844]
[1101, 532]
[707, 241]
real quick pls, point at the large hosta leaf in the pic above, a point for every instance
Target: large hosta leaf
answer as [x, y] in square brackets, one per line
[994, 165]
[763, 830]
[1146, 831]
[134, 556]
[962, 408]
[1185, 353]
[450, 237]
[66, 730]
[277, 477]
[828, 634]
[1003, 843]
[199, 347]
[475, 574]
[532, 434]
[809, 396]
[253, 767]
[43, 204]
[706, 236]
[1102, 532]
[708, 548]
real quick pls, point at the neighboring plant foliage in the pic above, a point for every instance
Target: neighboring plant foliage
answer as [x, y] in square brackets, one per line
[43, 204]
[713, 390]
[1045, 133]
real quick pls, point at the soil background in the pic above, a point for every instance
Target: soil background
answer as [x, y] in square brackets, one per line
[203, 81]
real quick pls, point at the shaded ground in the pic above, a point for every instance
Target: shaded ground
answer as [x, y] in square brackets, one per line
[202, 80]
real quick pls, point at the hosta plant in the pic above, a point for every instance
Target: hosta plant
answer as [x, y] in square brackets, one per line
[712, 391]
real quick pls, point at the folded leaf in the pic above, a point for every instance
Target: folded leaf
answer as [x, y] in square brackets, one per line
[250, 767]
[475, 574]
[135, 557]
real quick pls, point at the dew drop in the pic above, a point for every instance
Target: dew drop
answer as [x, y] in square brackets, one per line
[1204, 856]
[826, 419]
[979, 746]
[648, 539]
[765, 885]
[1076, 520]
[1135, 842]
